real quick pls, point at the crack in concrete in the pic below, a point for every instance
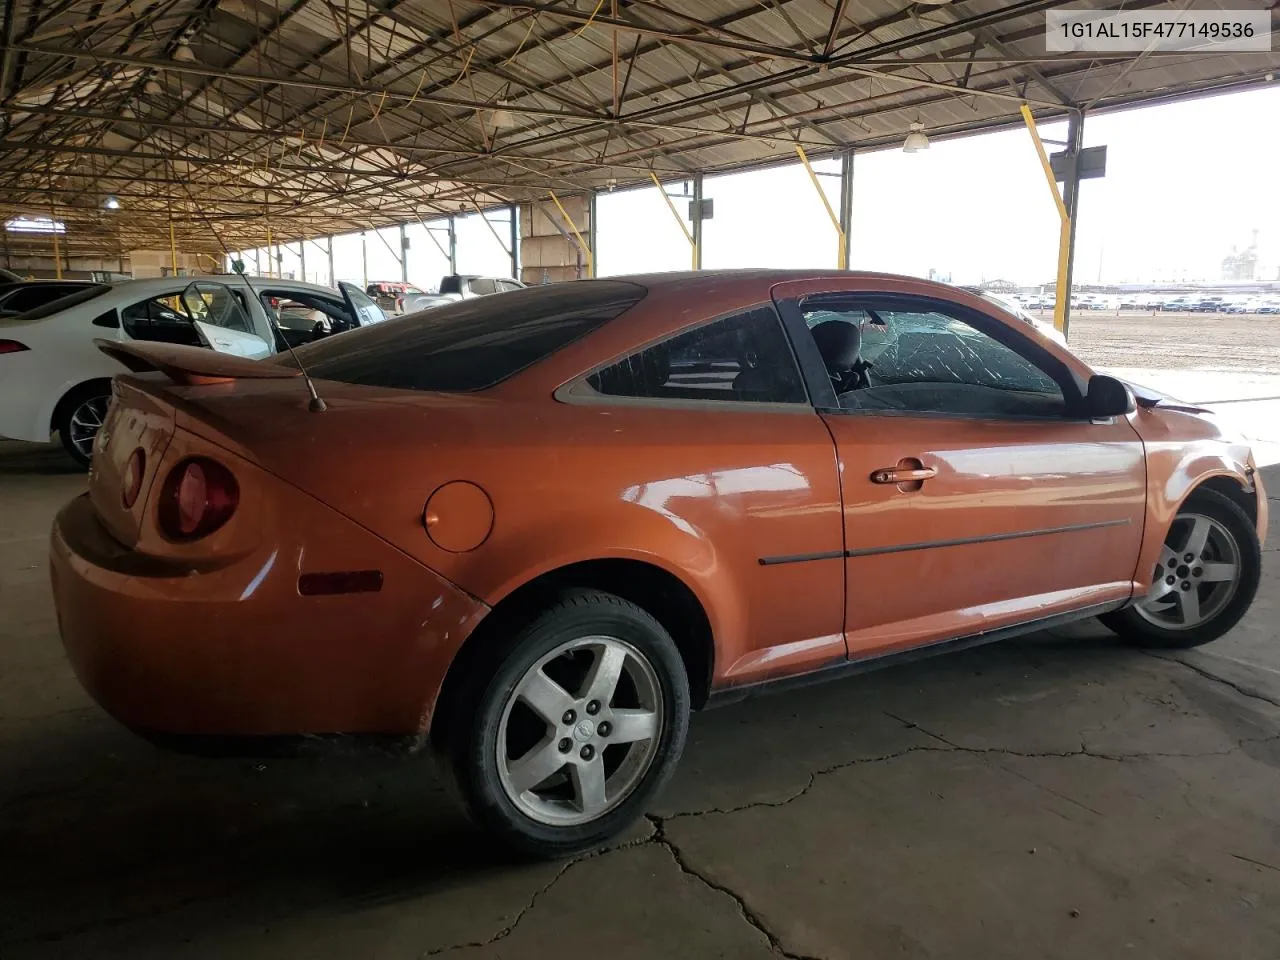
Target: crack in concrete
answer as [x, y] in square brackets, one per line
[1209, 675]
[1256, 863]
[951, 747]
[520, 914]
[748, 914]
[537, 895]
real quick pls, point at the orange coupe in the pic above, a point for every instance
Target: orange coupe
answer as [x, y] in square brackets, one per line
[535, 530]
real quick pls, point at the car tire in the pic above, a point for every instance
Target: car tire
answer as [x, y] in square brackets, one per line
[1233, 540]
[74, 419]
[499, 743]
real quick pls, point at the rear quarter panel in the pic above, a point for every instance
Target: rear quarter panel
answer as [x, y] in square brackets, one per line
[704, 495]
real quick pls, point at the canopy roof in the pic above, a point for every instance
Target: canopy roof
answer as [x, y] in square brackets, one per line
[323, 116]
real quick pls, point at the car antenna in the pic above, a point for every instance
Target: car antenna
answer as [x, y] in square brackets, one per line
[317, 405]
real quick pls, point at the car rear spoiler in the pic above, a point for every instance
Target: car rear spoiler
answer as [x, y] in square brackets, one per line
[190, 366]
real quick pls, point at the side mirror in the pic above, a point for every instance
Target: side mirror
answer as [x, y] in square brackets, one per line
[1108, 397]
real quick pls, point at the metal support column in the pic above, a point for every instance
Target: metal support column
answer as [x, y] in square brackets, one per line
[1071, 199]
[333, 280]
[1062, 285]
[697, 221]
[591, 230]
[662, 192]
[364, 259]
[453, 246]
[842, 259]
[404, 255]
[513, 212]
[846, 204]
[302, 259]
[57, 253]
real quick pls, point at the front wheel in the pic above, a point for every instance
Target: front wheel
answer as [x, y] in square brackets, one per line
[583, 720]
[1204, 581]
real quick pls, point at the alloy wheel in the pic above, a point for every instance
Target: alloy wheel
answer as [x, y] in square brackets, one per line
[580, 730]
[85, 422]
[1197, 574]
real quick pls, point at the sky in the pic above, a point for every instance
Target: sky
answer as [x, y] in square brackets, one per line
[1184, 183]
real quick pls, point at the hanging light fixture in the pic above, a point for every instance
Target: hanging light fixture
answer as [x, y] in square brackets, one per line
[184, 52]
[916, 139]
[502, 117]
[153, 88]
[111, 202]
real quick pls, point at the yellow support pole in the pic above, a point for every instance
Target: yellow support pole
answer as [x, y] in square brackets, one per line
[173, 249]
[841, 262]
[693, 247]
[1061, 293]
[57, 253]
[582, 244]
[269, 254]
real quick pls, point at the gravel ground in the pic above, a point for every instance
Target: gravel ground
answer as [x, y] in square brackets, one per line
[1177, 341]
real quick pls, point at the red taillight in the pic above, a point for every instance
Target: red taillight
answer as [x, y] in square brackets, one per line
[199, 496]
[12, 346]
[133, 472]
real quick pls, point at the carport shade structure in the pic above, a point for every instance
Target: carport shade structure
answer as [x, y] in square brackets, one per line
[226, 115]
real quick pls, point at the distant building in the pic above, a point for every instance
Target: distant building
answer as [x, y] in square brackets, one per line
[998, 286]
[1242, 265]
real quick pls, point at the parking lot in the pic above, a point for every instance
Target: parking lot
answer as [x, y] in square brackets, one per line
[1244, 343]
[1081, 798]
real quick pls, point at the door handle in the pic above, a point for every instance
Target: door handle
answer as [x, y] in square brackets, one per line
[903, 475]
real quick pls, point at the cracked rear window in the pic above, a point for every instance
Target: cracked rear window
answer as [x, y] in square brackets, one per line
[470, 345]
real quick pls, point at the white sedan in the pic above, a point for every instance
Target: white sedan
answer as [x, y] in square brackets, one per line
[54, 380]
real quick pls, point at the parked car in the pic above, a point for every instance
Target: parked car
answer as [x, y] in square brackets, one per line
[1268, 306]
[463, 286]
[412, 303]
[391, 295]
[17, 298]
[1206, 305]
[53, 379]
[1176, 304]
[534, 531]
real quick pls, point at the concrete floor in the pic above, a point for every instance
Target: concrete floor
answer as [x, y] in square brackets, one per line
[1058, 796]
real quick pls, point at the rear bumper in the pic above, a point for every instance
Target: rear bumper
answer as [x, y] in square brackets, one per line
[237, 652]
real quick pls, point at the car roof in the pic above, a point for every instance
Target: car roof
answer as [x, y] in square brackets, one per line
[15, 284]
[161, 286]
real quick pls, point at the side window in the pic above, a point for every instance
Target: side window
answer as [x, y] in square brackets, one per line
[159, 320]
[368, 311]
[482, 286]
[744, 358]
[927, 362]
[304, 311]
[216, 304]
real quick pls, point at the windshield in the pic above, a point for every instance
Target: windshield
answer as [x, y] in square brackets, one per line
[62, 303]
[471, 344]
